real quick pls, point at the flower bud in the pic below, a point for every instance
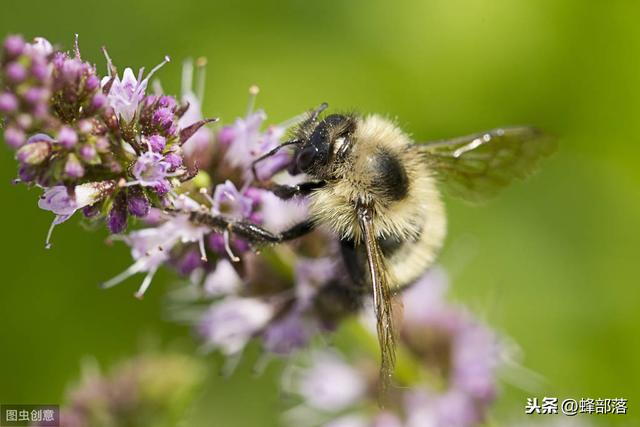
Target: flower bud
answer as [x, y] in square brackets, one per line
[98, 102]
[41, 46]
[117, 220]
[13, 46]
[73, 168]
[167, 102]
[34, 153]
[85, 126]
[35, 95]
[14, 136]
[15, 72]
[88, 152]
[137, 202]
[40, 70]
[67, 137]
[174, 159]
[8, 102]
[157, 142]
[102, 144]
[92, 83]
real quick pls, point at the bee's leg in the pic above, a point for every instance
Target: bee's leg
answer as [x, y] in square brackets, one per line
[249, 231]
[269, 154]
[285, 192]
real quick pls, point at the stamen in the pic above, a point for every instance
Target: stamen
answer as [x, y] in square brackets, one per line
[110, 67]
[201, 71]
[157, 67]
[227, 247]
[157, 87]
[133, 269]
[145, 284]
[203, 253]
[293, 121]
[206, 195]
[187, 76]
[140, 74]
[253, 93]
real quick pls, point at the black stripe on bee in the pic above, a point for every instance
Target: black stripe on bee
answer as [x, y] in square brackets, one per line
[390, 176]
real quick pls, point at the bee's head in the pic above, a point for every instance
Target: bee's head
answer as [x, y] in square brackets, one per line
[325, 142]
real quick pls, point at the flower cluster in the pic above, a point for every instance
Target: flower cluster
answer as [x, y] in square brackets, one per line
[103, 145]
[452, 358]
[151, 389]
[77, 132]
[284, 303]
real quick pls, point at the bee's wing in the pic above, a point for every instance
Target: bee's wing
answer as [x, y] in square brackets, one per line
[476, 167]
[381, 301]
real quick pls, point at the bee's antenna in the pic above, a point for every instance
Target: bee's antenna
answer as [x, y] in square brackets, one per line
[269, 154]
[315, 113]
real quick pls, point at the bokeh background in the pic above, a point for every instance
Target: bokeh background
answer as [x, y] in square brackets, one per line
[551, 263]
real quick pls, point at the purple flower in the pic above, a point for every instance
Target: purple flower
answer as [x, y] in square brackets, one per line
[138, 202]
[229, 324]
[289, 332]
[125, 95]
[190, 261]
[329, 383]
[224, 280]
[243, 139]
[228, 201]
[151, 247]
[59, 201]
[150, 170]
[433, 327]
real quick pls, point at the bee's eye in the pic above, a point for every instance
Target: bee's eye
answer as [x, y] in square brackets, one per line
[306, 157]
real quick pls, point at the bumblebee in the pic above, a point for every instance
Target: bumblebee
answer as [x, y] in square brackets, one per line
[379, 191]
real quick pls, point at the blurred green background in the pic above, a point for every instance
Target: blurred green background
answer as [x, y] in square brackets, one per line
[552, 263]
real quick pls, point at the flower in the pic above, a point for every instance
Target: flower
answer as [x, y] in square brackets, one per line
[150, 389]
[330, 383]
[230, 324]
[457, 353]
[151, 247]
[223, 280]
[244, 142]
[125, 95]
[61, 202]
[150, 170]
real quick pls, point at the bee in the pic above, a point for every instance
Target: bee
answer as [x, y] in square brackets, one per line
[379, 192]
